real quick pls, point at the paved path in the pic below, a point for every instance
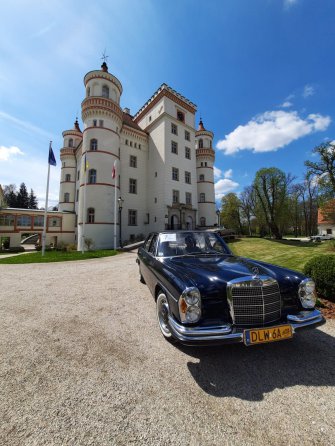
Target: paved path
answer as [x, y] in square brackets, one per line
[83, 363]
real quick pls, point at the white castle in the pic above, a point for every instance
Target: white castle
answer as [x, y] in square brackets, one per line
[165, 167]
[164, 178]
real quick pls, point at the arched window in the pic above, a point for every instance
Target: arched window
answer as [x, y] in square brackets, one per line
[210, 143]
[202, 198]
[202, 221]
[66, 197]
[94, 144]
[88, 91]
[105, 91]
[201, 144]
[90, 215]
[92, 176]
[67, 177]
[70, 142]
[202, 178]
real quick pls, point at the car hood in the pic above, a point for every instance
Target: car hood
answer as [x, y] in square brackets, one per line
[211, 273]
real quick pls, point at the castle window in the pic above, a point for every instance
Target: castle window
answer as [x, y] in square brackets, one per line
[101, 123]
[132, 217]
[94, 122]
[187, 135]
[92, 176]
[105, 91]
[133, 161]
[202, 198]
[210, 143]
[201, 144]
[188, 198]
[202, 221]
[149, 118]
[88, 91]
[135, 145]
[63, 164]
[126, 142]
[187, 153]
[77, 195]
[132, 186]
[202, 178]
[155, 200]
[175, 196]
[155, 174]
[174, 147]
[90, 215]
[175, 174]
[174, 129]
[67, 177]
[131, 143]
[94, 144]
[55, 222]
[188, 177]
[66, 197]
[205, 163]
[180, 116]
[70, 142]
[78, 174]
[139, 146]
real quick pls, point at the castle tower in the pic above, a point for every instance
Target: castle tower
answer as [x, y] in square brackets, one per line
[205, 156]
[67, 191]
[102, 118]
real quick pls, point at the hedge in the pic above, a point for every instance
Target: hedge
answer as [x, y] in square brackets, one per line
[322, 270]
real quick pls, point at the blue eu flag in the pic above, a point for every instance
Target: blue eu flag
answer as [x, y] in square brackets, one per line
[52, 159]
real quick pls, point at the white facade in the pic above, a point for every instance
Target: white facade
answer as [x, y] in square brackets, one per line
[163, 177]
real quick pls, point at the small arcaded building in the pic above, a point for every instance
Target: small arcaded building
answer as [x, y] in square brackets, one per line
[326, 219]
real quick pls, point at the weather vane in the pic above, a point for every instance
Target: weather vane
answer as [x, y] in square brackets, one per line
[104, 57]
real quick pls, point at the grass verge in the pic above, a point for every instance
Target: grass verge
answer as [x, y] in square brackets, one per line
[56, 256]
[287, 253]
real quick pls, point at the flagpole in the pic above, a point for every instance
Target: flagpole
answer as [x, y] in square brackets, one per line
[84, 212]
[46, 210]
[115, 202]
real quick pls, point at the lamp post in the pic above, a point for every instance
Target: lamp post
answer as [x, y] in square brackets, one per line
[218, 214]
[120, 201]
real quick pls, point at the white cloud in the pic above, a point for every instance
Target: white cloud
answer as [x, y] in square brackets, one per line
[222, 187]
[33, 172]
[217, 172]
[25, 125]
[271, 130]
[228, 173]
[308, 91]
[9, 152]
[286, 104]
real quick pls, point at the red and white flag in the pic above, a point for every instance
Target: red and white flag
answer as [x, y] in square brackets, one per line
[114, 170]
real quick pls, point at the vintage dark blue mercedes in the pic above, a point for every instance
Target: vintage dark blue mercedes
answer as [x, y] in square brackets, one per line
[204, 294]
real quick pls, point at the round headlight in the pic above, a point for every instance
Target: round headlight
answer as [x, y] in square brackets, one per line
[193, 314]
[191, 296]
[307, 293]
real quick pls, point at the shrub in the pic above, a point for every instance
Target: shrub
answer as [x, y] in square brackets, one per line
[331, 245]
[61, 246]
[322, 270]
[88, 243]
[71, 247]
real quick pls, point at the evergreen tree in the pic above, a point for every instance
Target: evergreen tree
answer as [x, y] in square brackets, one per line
[10, 195]
[23, 197]
[33, 203]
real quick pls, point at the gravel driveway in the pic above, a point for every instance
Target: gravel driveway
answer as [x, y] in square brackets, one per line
[83, 363]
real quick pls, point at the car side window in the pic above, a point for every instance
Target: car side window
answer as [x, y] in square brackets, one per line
[153, 245]
[147, 242]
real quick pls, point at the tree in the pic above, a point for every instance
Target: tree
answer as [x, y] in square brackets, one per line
[10, 195]
[247, 205]
[325, 168]
[231, 212]
[271, 187]
[32, 201]
[23, 197]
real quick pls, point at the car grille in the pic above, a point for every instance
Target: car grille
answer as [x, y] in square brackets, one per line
[254, 302]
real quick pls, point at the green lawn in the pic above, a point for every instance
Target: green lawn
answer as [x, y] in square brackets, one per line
[57, 256]
[290, 254]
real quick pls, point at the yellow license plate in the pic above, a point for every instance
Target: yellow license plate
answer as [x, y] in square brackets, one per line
[263, 335]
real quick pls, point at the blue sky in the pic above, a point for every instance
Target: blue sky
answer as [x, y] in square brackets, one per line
[260, 71]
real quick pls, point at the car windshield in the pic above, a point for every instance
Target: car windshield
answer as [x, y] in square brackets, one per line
[190, 243]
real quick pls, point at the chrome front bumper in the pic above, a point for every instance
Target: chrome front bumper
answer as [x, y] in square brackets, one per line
[227, 334]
